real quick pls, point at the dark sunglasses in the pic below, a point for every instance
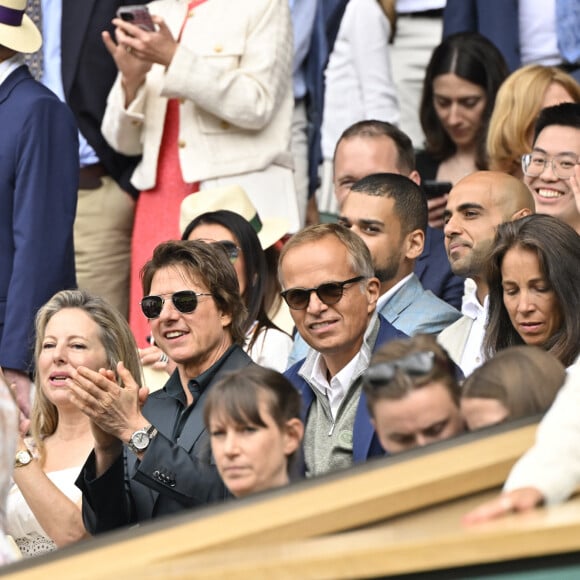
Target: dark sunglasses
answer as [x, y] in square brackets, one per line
[185, 301]
[329, 293]
[416, 364]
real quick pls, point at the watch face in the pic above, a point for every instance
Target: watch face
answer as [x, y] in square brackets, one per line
[23, 457]
[140, 440]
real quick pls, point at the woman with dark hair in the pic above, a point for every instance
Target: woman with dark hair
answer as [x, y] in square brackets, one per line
[253, 417]
[461, 82]
[519, 381]
[266, 344]
[534, 288]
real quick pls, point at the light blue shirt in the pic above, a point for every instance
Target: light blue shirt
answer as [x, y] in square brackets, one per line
[52, 66]
[303, 13]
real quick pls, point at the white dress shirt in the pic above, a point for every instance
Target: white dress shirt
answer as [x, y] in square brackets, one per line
[472, 354]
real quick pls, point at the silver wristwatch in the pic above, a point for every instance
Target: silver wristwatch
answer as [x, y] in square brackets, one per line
[141, 439]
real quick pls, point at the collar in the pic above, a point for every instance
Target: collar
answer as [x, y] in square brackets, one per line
[471, 306]
[314, 361]
[10, 65]
[197, 385]
[383, 299]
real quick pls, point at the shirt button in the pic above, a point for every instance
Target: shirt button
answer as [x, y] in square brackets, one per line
[190, 13]
[218, 48]
[224, 125]
[181, 144]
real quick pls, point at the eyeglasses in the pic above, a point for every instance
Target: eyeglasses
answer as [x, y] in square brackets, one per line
[185, 301]
[533, 164]
[329, 293]
[416, 364]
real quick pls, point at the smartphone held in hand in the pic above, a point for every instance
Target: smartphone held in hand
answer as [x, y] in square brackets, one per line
[434, 189]
[137, 15]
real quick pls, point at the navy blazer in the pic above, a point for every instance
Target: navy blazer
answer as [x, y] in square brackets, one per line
[433, 269]
[88, 73]
[497, 20]
[39, 168]
[365, 442]
[174, 474]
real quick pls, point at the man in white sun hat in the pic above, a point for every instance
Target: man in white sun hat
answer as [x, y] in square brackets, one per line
[38, 193]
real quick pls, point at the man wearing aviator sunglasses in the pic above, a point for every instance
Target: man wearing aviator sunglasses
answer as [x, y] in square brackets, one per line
[329, 285]
[552, 170]
[157, 458]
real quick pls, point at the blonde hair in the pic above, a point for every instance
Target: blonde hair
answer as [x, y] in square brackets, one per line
[518, 102]
[117, 340]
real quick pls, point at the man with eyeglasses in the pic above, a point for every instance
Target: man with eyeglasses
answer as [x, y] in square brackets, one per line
[413, 392]
[552, 170]
[330, 287]
[155, 460]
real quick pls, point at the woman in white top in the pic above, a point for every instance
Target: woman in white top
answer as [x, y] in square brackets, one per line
[72, 329]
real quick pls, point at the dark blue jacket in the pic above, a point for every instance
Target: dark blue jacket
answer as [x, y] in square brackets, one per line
[365, 443]
[497, 20]
[39, 171]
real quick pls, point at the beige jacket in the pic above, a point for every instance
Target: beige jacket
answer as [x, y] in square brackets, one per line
[232, 73]
[454, 338]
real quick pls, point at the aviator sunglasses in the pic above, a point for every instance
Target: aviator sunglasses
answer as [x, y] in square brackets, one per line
[329, 293]
[416, 364]
[185, 301]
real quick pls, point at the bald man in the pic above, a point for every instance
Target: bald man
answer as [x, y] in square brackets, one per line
[475, 207]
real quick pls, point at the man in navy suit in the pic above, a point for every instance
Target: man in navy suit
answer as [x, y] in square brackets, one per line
[38, 193]
[525, 32]
[369, 147]
[329, 284]
[80, 70]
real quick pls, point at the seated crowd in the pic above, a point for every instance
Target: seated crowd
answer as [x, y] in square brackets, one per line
[277, 353]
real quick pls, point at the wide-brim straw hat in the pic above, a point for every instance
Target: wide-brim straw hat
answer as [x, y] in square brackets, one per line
[235, 199]
[17, 31]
